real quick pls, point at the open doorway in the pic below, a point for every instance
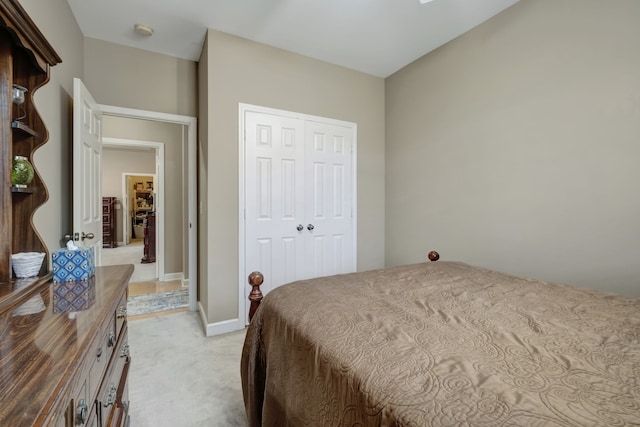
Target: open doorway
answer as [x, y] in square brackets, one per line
[151, 210]
[173, 206]
[130, 179]
[133, 175]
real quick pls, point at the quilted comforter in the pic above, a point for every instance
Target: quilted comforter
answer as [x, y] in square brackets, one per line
[441, 344]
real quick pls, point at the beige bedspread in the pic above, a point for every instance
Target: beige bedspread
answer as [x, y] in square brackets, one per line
[441, 344]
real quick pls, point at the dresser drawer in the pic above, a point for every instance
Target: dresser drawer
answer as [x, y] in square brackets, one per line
[121, 313]
[93, 418]
[81, 401]
[114, 389]
[83, 404]
[100, 356]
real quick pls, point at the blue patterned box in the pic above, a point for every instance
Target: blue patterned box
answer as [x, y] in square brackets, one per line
[74, 296]
[73, 265]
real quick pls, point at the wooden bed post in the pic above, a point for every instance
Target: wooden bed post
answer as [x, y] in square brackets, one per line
[255, 296]
[433, 256]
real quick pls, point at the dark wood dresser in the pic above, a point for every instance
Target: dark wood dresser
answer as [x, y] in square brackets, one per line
[109, 239]
[149, 254]
[64, 354]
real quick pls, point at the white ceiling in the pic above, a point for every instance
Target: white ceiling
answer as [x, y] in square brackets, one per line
[377, 37]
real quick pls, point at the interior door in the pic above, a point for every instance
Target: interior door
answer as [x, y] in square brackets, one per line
[274, 228]
[298, 198]
[329, 199]
[87, 173]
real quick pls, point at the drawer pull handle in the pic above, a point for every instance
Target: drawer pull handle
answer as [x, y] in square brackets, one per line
[81, 412]
[125, 351]
[111, 397]
[112, 339]
[99, 353]
[122, 312]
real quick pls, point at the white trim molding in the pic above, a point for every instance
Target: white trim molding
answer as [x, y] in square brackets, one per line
[218, 328]
[191, 125]
[174, 276]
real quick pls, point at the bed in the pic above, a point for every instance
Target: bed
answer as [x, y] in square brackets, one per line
[440, 344]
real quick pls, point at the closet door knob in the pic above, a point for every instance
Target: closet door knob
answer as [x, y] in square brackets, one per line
[300, 227]
[310, 227]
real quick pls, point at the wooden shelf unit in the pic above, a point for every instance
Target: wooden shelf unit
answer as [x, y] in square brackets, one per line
[147, 197]
[25, 58]
[64, 362]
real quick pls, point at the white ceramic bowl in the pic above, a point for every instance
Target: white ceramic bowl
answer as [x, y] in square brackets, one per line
[27, 264]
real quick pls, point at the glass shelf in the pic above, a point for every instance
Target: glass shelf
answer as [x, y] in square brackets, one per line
[23, 190]
[24, 128]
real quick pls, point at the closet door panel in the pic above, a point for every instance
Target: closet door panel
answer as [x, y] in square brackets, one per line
[274, 195]
[299, 195]
[329, 201]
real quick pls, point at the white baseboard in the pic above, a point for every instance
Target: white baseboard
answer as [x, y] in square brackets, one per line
[173, 276]
[185, 283]
[218, 328]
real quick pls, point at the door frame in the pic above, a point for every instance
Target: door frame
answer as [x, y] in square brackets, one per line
[158, 202]
[243, 284]
[190, 123]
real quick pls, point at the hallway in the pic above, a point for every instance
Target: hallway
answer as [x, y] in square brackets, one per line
[131, 254]
[147, 295]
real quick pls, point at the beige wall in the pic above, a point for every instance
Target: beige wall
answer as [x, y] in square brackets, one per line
[203, 161]
[243, 71]
[516, 146]
[116, 75]
[56, 21]
[170, 135]
[116, 162]
[134, 78]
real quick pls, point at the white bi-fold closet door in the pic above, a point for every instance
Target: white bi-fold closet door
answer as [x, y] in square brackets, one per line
[299, 196]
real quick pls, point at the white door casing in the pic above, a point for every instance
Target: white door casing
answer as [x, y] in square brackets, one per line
[87, 175]
[190, 124]
[297, 198]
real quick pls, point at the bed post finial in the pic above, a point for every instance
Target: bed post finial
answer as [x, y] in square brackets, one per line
[433, 256]
[255, 296]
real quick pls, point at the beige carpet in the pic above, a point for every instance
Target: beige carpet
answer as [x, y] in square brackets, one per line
[179, 377]
[131, 254]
